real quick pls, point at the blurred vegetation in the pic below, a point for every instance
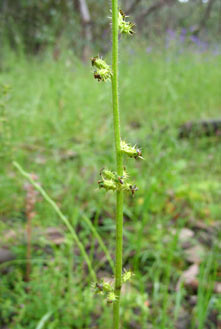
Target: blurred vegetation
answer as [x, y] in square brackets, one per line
[34, 25]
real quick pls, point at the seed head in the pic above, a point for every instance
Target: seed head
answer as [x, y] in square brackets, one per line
[125, 174]
[124, 26]
[102, 70]
[131, 151]
[107, 287]
[98, 288]
[129, 188]
[108, 174]
[107, 184]
[111, 181]
[93, 60]
[126, 276]
[111, 297]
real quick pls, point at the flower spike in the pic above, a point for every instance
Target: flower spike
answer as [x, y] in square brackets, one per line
[116, 181]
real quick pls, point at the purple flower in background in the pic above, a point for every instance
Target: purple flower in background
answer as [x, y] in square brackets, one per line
[217, 50]
[192, 28]
[183, 35]
[131, 51]
[171, 34]
[195, 39]
[202, 45]
[182, 38]
[149, 49]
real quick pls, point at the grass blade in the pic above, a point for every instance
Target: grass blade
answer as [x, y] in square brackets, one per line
[43, 320]
[100, 240]
[62, 217]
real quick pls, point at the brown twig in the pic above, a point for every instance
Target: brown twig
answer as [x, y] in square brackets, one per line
[31, 199]
[204, 18]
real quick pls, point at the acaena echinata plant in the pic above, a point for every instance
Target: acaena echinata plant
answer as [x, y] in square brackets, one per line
[116, 180]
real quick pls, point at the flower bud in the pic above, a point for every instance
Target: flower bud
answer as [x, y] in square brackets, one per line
[130, 188]
[98, 288]
[124, 26]
[107, 287]
[111, 297]
[107, 184]
[102, 70]
[126, 276]
[131, 151]
[108, 174]
[111, 181]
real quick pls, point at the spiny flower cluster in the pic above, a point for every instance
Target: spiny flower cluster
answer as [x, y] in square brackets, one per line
[111, 181]
[124, 26]
[131, 151]
[126, 276]
[106, 289]
[102, 71]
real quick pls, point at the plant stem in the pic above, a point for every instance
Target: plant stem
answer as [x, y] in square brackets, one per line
[62, 216]
[119, 159]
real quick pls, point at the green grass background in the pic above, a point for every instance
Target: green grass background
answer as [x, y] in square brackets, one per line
[56, 108]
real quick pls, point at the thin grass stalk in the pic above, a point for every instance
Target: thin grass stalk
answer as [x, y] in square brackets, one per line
[62, 217]
[119, 161]
[100, 240]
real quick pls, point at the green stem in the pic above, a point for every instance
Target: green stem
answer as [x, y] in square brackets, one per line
[61, 215]
[119, 159]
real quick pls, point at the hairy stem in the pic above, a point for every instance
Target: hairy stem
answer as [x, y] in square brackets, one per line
[62, 217]
[119, 159]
